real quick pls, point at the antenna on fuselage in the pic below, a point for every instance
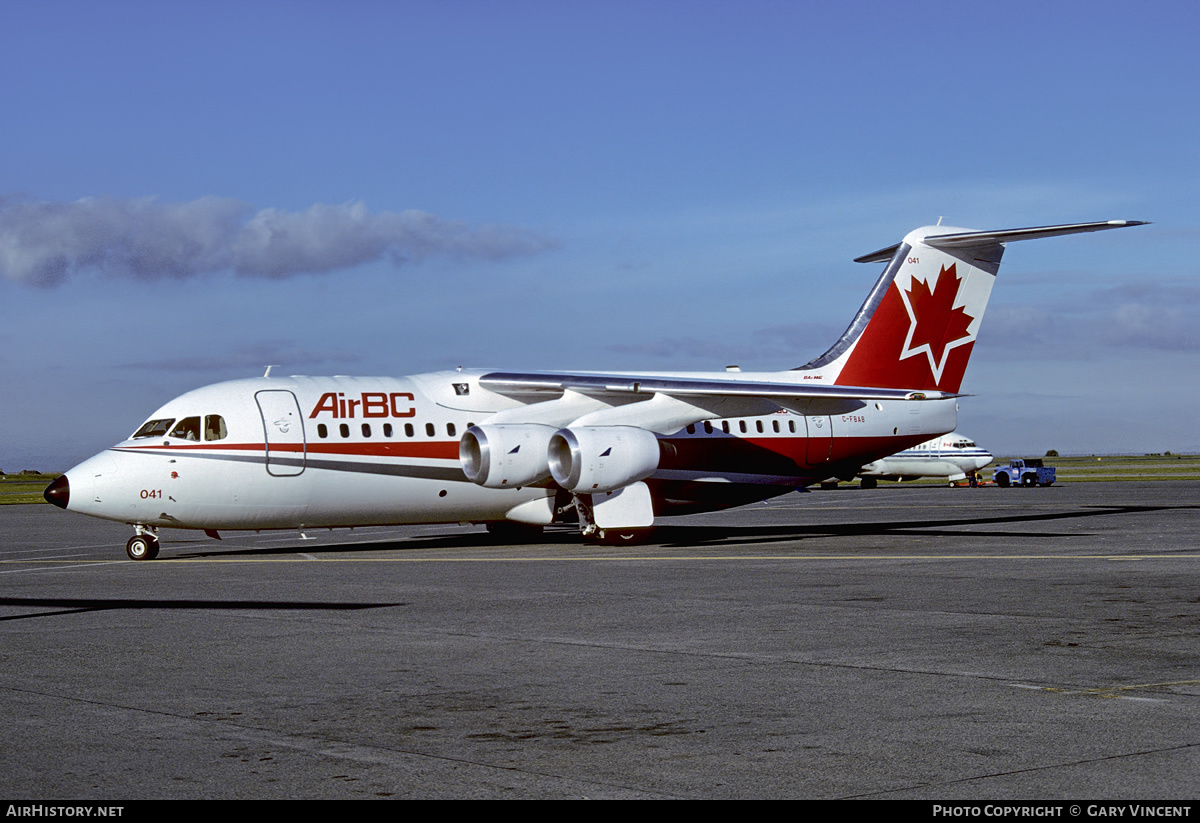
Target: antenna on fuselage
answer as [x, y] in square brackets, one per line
[267, 373]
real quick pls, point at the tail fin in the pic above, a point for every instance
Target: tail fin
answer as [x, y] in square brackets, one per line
[918, 326]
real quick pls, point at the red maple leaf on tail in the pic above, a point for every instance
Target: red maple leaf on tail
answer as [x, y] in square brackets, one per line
[936, 323]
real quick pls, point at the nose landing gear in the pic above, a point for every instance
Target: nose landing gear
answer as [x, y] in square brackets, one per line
[143, 545]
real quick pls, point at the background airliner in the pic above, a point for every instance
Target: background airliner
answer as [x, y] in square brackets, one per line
[950, 457]
[612, 450]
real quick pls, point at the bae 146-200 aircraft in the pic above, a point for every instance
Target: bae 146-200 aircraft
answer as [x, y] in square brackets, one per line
[613, 450]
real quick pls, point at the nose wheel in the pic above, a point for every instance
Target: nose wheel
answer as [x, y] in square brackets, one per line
[142, 547]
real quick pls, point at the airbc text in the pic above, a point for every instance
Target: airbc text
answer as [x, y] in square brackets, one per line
[367, 404]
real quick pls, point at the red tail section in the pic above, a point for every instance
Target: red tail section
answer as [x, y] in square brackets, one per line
[917, 329]
[920, 337]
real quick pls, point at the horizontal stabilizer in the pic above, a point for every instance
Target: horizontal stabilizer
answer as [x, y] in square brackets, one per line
[986, 238]
[983, 238]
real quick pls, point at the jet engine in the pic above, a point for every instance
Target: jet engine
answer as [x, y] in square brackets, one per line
[596, 459]
[505, 456]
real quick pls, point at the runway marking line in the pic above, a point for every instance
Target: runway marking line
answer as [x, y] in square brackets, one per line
[308, 557]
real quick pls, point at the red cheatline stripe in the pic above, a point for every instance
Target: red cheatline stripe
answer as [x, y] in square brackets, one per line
[434, 450]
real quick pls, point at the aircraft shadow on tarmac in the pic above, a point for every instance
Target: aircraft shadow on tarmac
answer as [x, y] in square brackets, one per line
[681, 536]
[80, 605]
[672, 536]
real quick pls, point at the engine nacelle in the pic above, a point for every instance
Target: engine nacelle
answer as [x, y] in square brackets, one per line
[505, 456]
[595, 459]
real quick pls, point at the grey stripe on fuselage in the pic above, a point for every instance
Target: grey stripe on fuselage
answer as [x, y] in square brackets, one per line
[447, 474]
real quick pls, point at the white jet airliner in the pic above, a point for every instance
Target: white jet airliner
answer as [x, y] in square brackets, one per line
[951, 457]
[505, 448]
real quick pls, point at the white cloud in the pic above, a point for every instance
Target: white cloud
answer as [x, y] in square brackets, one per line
[44, 243]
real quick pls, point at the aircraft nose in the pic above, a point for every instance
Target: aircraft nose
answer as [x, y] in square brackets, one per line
[58, 492]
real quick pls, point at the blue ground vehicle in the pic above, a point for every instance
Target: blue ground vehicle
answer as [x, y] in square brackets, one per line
[1029, 472]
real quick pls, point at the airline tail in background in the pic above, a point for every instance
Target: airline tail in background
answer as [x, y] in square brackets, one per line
[918, 326]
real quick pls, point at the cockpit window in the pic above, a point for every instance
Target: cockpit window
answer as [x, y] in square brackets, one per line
[214, 427]
[154, 428]
[187, 429]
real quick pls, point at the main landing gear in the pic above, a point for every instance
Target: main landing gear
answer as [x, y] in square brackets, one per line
[610, 535]
[143, 545]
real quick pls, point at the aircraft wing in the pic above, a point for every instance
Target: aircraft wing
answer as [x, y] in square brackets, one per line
[631, 384]
[666, 403]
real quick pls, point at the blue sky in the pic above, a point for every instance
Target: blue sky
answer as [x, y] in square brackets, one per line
[190, 191]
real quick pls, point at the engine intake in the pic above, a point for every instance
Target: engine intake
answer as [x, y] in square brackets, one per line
[505, 456]
[595, 459]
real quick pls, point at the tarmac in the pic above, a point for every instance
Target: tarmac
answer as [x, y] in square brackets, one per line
[908, 642]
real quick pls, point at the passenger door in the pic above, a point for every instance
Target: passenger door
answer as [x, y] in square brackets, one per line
[283, 430]
[820, 438]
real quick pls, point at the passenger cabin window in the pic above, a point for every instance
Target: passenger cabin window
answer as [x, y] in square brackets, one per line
[322, 431]
[154, 428]
[387, 429]
[214, 427]
[187, 429]
[429, 430]
[366, 429]
[344, 429]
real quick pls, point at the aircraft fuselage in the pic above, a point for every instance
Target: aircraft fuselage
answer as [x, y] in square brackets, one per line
[296, 452]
